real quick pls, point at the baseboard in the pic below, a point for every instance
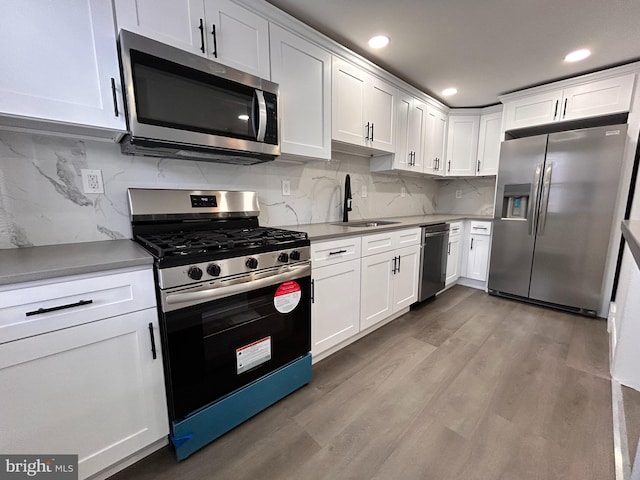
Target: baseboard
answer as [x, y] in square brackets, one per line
[469, 282]
[621, 458]
[130, 460]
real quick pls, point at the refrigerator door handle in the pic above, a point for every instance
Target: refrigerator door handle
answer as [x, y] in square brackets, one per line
[533, 204]
[544, 199]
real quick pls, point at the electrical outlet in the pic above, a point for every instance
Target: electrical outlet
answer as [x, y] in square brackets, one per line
[364, 190]
[458, 193]
[286, 188]
[92, 181]
[403, 192]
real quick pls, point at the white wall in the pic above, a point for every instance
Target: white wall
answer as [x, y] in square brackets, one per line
[42, 202]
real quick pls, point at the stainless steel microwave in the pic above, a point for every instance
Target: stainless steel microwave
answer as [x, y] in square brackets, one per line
[181, 105]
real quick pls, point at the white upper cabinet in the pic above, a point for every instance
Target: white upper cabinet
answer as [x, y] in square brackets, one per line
[411, 128]
[174, 22]
[237, 37]
[218, 29]
[489, 144]
[60, 68]
[434, 142]
[462, 145]
[363, 108]
[303, 72]
[587, 99]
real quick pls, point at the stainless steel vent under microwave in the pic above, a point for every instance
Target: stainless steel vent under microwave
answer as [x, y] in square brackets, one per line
[181, 105]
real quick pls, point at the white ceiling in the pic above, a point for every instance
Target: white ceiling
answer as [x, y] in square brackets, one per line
[484, 47]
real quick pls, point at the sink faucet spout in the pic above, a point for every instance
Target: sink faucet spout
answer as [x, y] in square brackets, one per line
[346, 208]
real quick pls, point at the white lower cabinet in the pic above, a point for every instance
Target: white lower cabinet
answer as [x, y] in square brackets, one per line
[95, 389]
[389, 277]
[454, 253]
[335, 308]
[479, 246]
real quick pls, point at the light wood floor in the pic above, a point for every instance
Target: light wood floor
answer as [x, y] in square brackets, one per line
[465, 387]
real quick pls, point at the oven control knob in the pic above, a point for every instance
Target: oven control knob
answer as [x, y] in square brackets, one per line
[194, 273]
[283, 257]
[295, 255]
[252, 263]
[213, 269]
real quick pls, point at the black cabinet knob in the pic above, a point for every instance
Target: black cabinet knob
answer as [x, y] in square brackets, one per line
[194, 273]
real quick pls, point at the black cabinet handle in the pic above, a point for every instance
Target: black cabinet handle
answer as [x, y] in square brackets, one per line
[59, 307]
[393, 270]
[449, 249]
[564, 111]
[478, 166]
[472, 244]
[438, 164]
[449, 167]
[313, 291]
[201, 27]
[555, 112]
[115, 97]
[367, 137]
[372, 132]
[337, 252]
[153, 342]
[398, 263]
[215, 41]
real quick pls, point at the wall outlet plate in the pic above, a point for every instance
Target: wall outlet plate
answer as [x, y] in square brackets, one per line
[458, 193]
[92, 181]
[286, 188]
[403, 192]
[364, 190]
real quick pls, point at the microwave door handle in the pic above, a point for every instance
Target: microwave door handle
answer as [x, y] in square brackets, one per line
[261, 115]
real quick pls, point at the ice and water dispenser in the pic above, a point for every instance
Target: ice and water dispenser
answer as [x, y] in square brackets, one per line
[515, 202]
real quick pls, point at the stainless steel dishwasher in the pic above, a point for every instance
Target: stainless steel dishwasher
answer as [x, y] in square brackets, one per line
[433, 259]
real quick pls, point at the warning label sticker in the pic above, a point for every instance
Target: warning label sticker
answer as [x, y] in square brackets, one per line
[252, 355]
[287, 296]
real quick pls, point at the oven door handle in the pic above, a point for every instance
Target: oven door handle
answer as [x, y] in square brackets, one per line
[173, 301]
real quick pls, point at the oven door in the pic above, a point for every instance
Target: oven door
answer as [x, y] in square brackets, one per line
[235, 335]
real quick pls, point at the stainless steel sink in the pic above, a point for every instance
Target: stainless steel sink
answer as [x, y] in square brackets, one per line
[365, 223]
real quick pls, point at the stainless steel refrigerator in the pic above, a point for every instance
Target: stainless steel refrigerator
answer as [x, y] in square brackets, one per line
[555, 200]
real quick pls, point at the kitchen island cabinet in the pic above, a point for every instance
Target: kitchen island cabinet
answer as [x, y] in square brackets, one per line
[81, 368]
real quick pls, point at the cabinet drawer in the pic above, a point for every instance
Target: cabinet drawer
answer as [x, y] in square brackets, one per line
[335, 251]
[34, 308]
[406, 238]
[480, 228]
[378, 243]
[455, 228]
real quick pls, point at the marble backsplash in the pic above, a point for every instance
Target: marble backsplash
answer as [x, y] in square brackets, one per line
[42, 200]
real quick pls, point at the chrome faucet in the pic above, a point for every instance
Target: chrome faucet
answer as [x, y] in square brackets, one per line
[346, 208]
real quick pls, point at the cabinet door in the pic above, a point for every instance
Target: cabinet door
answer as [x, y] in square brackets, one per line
[453, 260]
[403, 157]
[94, 390]
[347, 103]
[60, 62]
[376, 289]
[533, 110]
[237, 37]
[303, 72]
[335, 311]
[489, 144]
[605, 97]
[416, 131]
[462, 145]
[434, 142]
[174, 22]
[380, 111]
[405, 280]
[478, 259]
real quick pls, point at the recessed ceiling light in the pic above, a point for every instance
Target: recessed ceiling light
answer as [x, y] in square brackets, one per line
[577, 55]
[243, 117]
[379, 41]
[447, 92]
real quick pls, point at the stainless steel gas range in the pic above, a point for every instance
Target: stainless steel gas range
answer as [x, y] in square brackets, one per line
[234, 304]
